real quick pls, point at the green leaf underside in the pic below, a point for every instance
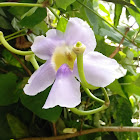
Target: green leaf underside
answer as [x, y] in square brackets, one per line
[35, 104]
[64, 3]
[34, 19]
[118, 11]
[7, 89]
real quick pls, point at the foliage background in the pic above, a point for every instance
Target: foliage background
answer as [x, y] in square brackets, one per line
[22, 116]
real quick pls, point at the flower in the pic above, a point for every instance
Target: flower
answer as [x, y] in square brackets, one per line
[60, 68]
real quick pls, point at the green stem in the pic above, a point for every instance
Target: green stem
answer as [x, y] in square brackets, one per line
[107, 101]
[33, 61]
[106, 21]
[2, 4]
[89, 112]
[81, 73]
[92, 96]
[125, 84]
[8, 36]
[11, 49]
[13, 37]
[54, 13]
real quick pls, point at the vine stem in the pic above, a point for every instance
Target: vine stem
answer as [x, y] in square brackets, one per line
[3, 4]
[121, 42]
[89, 131]
[79, 49]
[81, 73]
[88, 112]
[11, 49]
[92, 96]
[22, 64]
[107, 22]
[8, 36]
[13, 37]
[33, 61]
[93, 111]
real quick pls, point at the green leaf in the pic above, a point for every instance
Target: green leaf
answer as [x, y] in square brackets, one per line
[18, 129]
[118, 11]
[137, 82]
[4, 23]
[64, 3]
[104, 48]
[132, 88]
[5, 132]
[127, 61]
[29, 13]
[61, 25]
[115, 36]
[10, 59]
[135, 14]
[94, 20]
[19, 11]
[122, 117]
[7, 89]
[41, 28]
[35, 18]
[2, 12]
[35, 104]
[102, 7]
[123, 110]
[137, 2]
[116, 88]
[22, 10]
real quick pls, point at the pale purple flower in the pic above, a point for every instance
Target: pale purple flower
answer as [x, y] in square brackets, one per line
[60, 68]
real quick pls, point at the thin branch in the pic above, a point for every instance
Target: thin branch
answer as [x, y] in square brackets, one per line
[89, 131]
[54, 129]
[3, 4]
[25, 68]
[121, 42]
[15, 33]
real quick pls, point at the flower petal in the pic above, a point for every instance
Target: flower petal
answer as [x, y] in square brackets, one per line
[55, 34]
[65, 91]
[40, 79]
[79, 30]
[100, 70]
[43, 47]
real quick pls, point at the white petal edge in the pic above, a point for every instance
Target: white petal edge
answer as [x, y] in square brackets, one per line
[79, 30]
[40, 79]
[100, 70]
[120, 72]
[54, 33]
[65, 91]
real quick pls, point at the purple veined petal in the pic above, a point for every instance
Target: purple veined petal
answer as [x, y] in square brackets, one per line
[40, 79]
[43, 47]
[99, 70]
[79, 30]
[65, 91]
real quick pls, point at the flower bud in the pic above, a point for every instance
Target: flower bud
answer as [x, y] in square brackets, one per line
[79, 48]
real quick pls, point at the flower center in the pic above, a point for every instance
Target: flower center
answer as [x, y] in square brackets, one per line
[63, 55]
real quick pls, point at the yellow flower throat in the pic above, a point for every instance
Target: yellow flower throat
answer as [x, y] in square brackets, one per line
[63, 55]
